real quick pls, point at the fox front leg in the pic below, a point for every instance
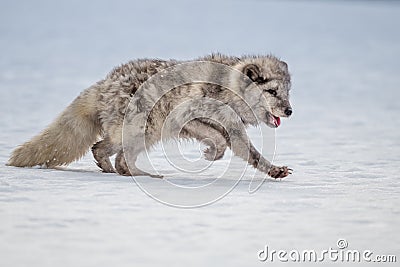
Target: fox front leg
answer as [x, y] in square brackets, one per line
[243, 148]
[208, 135]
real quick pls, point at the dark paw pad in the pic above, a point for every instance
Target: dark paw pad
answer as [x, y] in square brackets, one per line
[279, 172]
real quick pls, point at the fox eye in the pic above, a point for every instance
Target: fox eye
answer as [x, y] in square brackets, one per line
[271, 91]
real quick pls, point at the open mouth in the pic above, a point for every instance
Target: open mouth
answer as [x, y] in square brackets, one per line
[273, 120]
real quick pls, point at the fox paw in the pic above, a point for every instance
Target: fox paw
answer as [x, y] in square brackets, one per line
[279, 172]
[211, 154]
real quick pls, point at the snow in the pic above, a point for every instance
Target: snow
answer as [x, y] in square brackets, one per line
[342, 140]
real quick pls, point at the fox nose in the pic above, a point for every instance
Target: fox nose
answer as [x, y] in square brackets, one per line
[288, 111]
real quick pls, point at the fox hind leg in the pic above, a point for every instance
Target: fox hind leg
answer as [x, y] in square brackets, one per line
[120, 164]
[122, 167]
[102, 151]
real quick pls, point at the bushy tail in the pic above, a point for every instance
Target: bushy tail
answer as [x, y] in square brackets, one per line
[67, 139]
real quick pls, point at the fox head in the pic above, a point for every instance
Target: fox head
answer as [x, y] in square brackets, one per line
[267, 90]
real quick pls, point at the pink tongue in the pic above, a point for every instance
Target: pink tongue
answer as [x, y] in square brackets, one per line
[277, 121]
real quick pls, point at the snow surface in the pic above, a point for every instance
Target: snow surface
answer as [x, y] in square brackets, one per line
[342, 141]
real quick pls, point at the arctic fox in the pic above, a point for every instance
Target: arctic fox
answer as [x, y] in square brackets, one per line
[95, 118]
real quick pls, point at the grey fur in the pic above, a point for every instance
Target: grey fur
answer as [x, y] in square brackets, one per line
[99, 112]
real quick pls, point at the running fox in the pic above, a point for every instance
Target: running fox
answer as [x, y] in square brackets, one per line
[95, 118]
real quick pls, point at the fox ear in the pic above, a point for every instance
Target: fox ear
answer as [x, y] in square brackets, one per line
[252, 71]
[283, 65]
